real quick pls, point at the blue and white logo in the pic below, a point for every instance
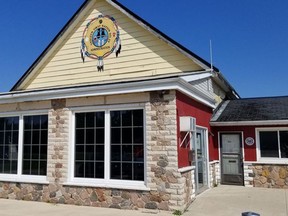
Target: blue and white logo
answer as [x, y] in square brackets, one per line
[100, 37]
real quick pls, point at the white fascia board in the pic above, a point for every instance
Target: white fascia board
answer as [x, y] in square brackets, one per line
[250, 123]
[197, 76]
[109, 89]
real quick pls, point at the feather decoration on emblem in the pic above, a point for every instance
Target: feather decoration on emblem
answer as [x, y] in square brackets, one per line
[101, 37]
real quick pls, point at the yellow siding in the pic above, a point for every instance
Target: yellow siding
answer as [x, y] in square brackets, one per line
[142, 55]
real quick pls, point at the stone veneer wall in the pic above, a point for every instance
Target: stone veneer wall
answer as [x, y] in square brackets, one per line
[266, 175]
[214, 172]
[169, 189]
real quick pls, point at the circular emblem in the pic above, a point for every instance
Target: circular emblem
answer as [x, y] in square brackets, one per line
[249, 141]
[100, 37]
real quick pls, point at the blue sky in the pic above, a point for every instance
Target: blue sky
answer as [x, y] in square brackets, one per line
[250, 38]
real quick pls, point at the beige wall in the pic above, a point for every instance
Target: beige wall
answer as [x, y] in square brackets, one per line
[143, 54]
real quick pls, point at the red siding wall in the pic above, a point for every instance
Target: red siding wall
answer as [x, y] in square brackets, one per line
[248, 131]
[189, 107]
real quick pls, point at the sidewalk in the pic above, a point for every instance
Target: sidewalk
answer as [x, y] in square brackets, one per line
[234, 200]
[29, 208]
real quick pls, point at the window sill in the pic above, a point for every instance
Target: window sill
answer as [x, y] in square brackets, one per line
[24, 179]
[114, 184]
[268, 161]
[186, 169]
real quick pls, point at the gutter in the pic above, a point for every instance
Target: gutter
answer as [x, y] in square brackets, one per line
[250, 123]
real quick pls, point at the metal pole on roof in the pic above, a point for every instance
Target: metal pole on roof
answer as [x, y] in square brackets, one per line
[211, 55]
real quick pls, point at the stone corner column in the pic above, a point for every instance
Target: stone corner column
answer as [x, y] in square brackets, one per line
[58, 142]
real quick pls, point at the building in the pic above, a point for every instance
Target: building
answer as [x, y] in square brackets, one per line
[114, 113]
[252, 135]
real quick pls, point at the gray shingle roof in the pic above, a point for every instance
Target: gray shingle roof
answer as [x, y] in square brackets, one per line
[252, 109]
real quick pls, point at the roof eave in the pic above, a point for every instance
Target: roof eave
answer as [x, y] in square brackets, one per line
[250, 123]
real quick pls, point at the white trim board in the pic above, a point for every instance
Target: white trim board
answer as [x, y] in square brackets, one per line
[176, 83]
[250, 123]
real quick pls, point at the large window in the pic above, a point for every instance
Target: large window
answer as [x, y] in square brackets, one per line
[111, 149]
[89, 145]
[35, 145]
[9, 127]
[23, 146]
[127, 161]
[273, 143]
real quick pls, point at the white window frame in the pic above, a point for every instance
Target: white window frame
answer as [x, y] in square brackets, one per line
[106, 182]
[19, 177]
[258, 151]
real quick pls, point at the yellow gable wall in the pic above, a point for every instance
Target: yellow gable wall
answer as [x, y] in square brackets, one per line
[142, 55]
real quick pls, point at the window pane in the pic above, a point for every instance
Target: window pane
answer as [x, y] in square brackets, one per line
[1, 153]
[100, 152]
[43, 168]
[44, 122]
[127, 153]
[90, 133]
[89, 152]
[80, 120]
[127, 172]
[26, 167]
[44, 138]
[80, 136]
[14, 167]
[35, 152]
[139, 171]
[79, 152]
[115, 118]
[36, 122]
[138, 118]
[284, 144]
[269, 144]
[126, 135]
[36, 137]
[7, 166]
[27, 122]
[79, 169]
[100, 119]
[2, 123]
[89, 170]
[8, 137]
[27, 137]
[127, 118]
[115, 153]
[90, 120]
[26, 152]
[115, 170]
[100, 136]
[99, 170]
[34, 167]
[115, 135]
[43, 152]
[138, 136]
[1, 137]
[138, 153]
[15, 137]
